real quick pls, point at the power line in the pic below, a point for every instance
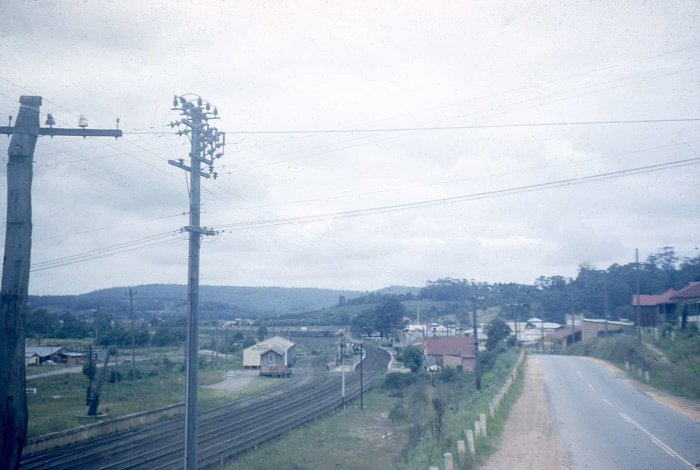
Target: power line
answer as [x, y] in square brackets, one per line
[395, 189]
[156, 240]
[110, 227]
[449, 128]
[461, 198]
[146, 242]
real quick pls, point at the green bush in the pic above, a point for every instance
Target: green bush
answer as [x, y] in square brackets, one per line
[398, 413]
[448, 374]
[398, 381]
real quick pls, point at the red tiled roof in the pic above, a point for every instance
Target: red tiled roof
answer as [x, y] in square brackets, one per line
[690, 292]
[653, 300]
[449, 346]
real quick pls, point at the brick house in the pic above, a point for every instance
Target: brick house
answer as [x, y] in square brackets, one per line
[449, 351]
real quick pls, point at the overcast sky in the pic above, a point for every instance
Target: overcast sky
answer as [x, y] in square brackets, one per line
[283, 66]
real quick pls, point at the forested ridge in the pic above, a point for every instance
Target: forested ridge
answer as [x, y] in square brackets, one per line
[225, 302]
[596, 293]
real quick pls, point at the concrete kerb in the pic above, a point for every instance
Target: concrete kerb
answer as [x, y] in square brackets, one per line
[484, 426]
[447, 459]
[461, 448]
[471, 442]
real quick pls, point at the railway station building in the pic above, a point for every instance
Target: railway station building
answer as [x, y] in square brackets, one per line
[273, 357]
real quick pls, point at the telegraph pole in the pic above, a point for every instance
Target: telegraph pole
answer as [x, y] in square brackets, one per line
[477, 367]
[207, 145]
[133, 354]
[638, 313]
[15, 269]
[362, 386]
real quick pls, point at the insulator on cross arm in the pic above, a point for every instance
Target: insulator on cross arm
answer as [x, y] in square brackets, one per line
[174, 101]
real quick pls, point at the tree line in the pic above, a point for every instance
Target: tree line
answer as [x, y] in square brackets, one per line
[597, 293]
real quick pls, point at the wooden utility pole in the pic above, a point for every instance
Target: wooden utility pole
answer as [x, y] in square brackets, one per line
[362, 383]
[133, 353]
[637, 308]
[206, 146]
[15, 270]
[477, 366]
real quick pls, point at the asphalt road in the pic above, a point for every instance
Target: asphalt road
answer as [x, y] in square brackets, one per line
[605, 422]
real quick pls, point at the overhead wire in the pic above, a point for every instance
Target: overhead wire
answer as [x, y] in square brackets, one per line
[157, 240]
[420, 129]
[471, 126]
[146, 242]
[460, 198]
[518, 171]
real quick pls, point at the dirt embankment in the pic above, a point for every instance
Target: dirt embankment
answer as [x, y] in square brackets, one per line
[529, 441]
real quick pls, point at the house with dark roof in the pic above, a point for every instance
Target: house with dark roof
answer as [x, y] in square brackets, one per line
[672, 307]
[688, 301]
[656, 309]
[449, 351]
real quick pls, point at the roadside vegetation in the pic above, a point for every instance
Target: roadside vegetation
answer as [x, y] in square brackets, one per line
[433, 412]
[677, 371]
[409, 421]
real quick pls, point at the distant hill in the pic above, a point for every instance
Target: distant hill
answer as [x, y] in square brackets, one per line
[215, 301]
[398, 290]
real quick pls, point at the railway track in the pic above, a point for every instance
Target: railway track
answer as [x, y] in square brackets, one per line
[224, 431]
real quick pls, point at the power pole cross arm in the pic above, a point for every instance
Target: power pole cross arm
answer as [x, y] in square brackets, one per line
[52, 131]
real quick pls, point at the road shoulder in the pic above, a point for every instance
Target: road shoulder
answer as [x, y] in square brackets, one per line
[684, 406]
[528, 441]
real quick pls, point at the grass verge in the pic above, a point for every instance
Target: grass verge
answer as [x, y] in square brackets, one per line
[349, 439]
[486, 446]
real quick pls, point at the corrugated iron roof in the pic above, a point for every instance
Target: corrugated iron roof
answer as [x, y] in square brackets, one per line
[41, 351]
[276, 342]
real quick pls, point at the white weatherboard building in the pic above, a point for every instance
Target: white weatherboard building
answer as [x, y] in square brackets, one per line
[274, 356]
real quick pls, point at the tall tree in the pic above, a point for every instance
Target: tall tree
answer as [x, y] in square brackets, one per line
[413, 358]
[40, 324]
[496, 332]
[388, 317]
[363, 324]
